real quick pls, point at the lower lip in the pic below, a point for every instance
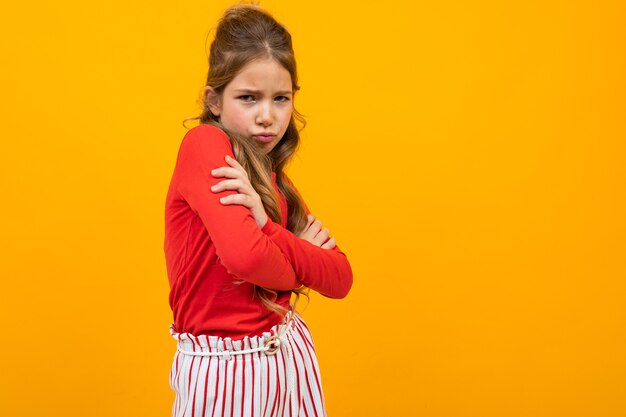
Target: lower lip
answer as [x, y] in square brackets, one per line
[264, 139]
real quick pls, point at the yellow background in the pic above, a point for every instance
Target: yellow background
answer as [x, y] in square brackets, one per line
[469, 157]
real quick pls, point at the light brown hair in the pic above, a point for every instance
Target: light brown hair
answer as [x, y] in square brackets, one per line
[244, 33]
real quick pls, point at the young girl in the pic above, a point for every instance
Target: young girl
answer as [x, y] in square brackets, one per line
[239, 239]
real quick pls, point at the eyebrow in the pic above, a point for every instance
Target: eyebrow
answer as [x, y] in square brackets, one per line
[251, 91]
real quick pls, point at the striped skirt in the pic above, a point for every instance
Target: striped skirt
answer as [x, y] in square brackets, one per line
[275, 374]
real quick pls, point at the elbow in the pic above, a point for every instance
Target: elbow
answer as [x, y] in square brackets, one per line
[243, 267]
[338, 293]
[287, 285]
[243, 259]
[343, 287]
[347, 282]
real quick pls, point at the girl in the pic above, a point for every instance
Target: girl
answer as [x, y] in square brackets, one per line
[239, 239]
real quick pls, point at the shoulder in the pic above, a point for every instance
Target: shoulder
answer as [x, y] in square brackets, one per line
[204, 137]
[204, 145]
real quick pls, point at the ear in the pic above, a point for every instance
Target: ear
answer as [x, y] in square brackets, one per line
[212, 100]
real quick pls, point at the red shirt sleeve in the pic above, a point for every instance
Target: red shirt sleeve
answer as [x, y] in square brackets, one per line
[326, 271]
[242, 248]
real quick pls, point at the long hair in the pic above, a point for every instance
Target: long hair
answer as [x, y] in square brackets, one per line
[244, 33]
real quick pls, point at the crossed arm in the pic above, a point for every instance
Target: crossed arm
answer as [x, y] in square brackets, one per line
[272, 256]
[326, 271]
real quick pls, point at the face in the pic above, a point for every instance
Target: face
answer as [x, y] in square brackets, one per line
[257, 103]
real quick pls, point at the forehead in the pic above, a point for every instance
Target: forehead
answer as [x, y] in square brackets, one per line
[262, 74]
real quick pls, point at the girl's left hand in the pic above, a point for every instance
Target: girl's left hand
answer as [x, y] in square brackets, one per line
[247, 194]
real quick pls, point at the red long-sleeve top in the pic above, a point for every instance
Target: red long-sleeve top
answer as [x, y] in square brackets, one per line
[208, 246]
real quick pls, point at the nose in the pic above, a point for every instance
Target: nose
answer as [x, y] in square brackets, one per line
[264, 116]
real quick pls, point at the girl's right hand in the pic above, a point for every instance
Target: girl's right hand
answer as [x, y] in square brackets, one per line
[314, 233]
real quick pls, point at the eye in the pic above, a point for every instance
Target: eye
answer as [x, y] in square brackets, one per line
[282, 98]
[247, 98]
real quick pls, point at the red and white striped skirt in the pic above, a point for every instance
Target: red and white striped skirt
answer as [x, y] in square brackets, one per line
[275, 374]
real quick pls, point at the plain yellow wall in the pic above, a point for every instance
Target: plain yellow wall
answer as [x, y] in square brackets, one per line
[469, 157]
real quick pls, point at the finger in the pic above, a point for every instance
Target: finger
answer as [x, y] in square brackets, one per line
[305, 229]
[229, 172]
[325, 232]
[224, 172]
[241, 199]
[233, 162]
[330, 244]
[310, 219]
[234, 184]
[322, 235]
[316, 226]
[217, 172]
[245, 190]
[312, 229]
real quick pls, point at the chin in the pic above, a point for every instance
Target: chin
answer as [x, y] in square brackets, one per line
[268, 147]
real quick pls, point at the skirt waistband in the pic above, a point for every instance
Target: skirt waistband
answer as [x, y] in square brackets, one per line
[207, 345]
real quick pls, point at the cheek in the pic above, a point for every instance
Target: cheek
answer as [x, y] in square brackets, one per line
[235, 117]
[285, 117]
